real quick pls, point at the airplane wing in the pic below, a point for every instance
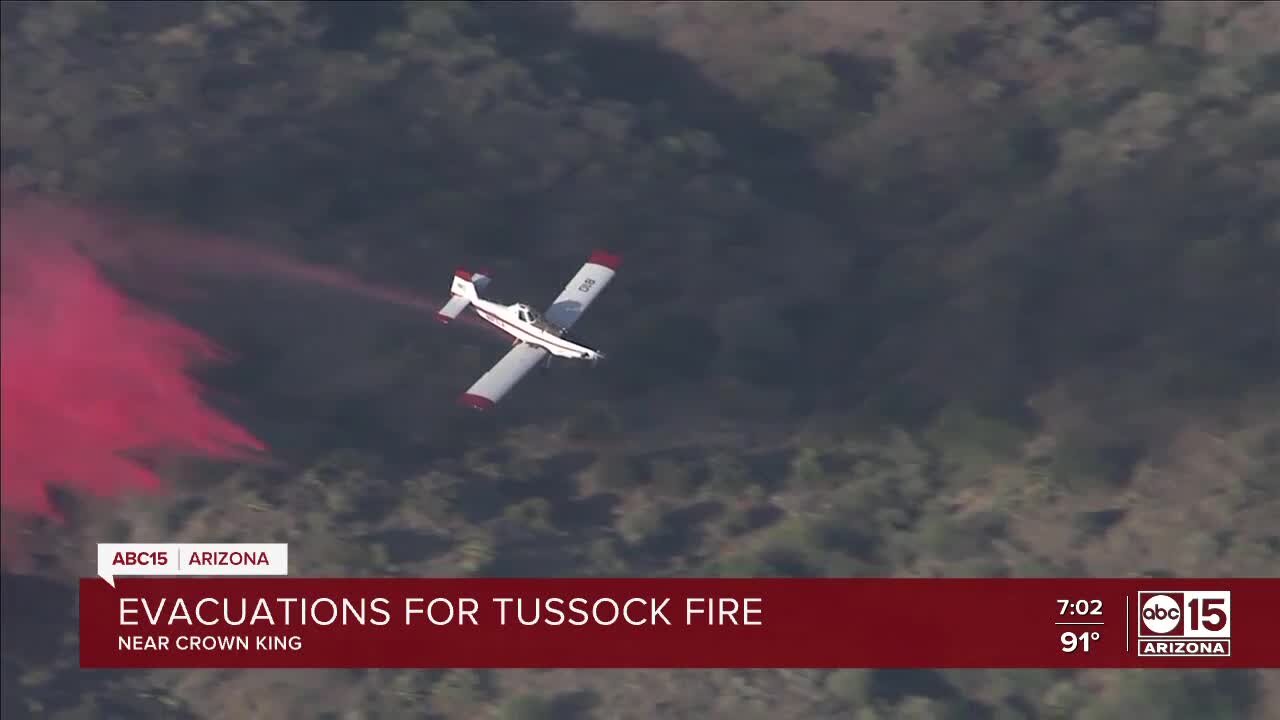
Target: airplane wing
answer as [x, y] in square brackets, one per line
[583, 289]
[493, 385]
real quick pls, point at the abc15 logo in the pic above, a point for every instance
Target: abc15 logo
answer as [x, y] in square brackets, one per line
[1185, 614]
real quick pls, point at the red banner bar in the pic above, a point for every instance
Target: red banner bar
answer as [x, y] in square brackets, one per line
[679, 623]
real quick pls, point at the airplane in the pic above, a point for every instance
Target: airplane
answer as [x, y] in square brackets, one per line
[538, 337]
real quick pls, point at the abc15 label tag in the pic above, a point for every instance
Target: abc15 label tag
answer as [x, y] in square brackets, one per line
[1184, 623]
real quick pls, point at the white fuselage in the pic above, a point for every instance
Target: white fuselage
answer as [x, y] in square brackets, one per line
[511, 320]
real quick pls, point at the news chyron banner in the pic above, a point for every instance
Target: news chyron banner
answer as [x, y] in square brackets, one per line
[262, 620]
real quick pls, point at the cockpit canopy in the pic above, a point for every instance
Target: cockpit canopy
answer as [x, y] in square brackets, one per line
[533, 317]
[526, 313]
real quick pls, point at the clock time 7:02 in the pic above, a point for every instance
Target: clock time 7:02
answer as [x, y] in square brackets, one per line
[1080, 608]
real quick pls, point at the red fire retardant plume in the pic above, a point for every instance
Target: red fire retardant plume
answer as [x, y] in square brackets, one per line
[90, 380]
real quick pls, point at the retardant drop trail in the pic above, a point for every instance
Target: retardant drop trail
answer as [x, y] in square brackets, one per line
[90, 378]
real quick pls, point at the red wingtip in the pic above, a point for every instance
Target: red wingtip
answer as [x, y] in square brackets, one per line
[462, 273]
[444, 319]
[605, 258]
[476, 402]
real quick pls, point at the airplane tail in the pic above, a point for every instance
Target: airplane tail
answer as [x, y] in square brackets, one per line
[465, 290]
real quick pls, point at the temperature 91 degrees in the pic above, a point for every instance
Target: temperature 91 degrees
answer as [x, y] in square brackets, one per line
[1073, 641]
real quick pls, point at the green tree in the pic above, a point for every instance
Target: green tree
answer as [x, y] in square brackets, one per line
[527, 707]
[852, 687]
[806, 469]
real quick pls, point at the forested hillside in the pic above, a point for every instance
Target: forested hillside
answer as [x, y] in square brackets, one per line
[911, 288]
